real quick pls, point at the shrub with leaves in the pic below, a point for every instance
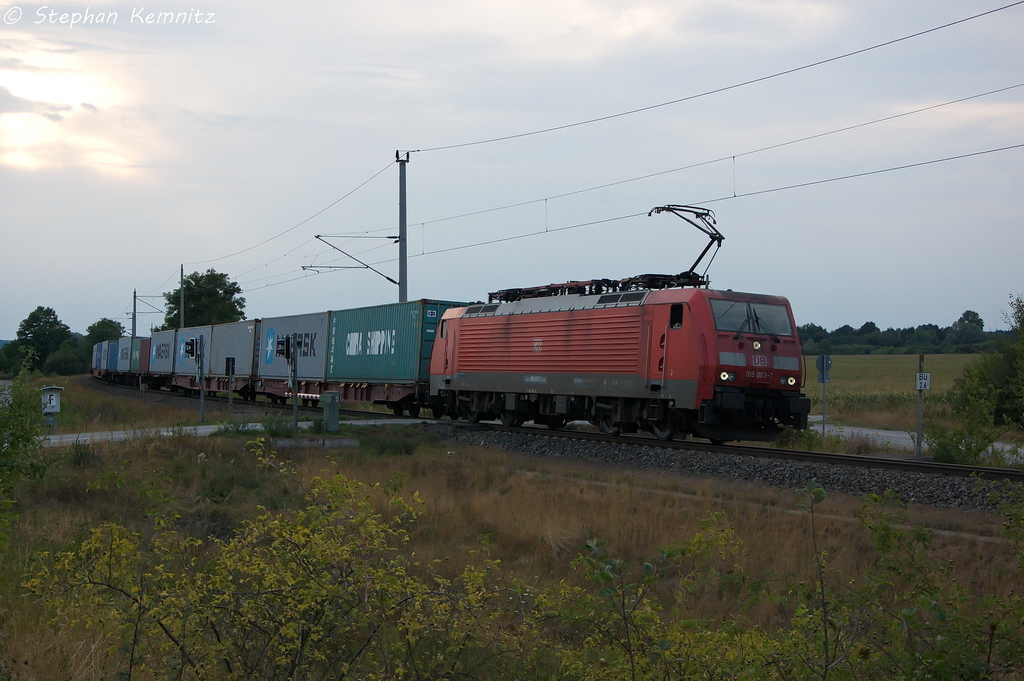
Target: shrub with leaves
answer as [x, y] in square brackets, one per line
[21, 456]
[324, 593]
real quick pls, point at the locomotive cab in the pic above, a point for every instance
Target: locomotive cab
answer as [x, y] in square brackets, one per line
[758, 369]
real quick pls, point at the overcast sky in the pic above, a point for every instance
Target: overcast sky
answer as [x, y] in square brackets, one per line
[128, 148]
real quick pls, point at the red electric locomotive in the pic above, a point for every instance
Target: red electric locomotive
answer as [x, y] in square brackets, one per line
[657, 353]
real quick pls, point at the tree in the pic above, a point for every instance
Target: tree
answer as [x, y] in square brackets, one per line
[969, 318]
[994, 382]
[73, 357]
[42, 332]
[104, 329]
[12, 356]
[210, 298]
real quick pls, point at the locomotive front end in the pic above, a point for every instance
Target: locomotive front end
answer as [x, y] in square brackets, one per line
[757, 369]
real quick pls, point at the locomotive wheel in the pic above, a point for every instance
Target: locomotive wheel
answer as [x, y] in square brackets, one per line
[607, 426]
[509, 419]
[474, 416]
[663, 431]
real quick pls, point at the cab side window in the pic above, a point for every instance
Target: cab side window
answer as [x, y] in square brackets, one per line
[675, 317]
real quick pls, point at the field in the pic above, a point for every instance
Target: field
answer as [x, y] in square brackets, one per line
[892, 374]
[879, 391]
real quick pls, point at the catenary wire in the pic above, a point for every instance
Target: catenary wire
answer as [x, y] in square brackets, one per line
[633, 215]
[296, 226]
[726, 88]
[726, 198]
[721, 158]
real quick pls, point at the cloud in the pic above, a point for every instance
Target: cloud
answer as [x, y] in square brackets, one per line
[10, 103]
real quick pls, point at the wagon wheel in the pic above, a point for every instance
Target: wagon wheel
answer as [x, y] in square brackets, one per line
[396, 410]
[414, 411]
[554, 423]
[510, 419]
[474, 416]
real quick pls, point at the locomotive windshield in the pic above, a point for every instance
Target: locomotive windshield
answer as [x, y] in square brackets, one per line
[746, 317]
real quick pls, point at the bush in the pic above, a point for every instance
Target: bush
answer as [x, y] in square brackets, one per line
[66, 362]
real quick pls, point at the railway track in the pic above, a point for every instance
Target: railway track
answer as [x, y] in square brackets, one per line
[239, 404]
[857, 461]
[877, 462]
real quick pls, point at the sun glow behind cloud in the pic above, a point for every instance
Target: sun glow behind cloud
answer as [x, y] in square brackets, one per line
[53, 100]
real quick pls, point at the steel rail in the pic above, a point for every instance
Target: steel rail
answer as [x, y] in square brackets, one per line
[906, 465]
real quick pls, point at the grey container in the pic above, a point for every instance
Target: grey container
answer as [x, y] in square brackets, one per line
[311, 356]
[161, 352]
[384, 343]
[237, 340]
[124, 355]
[183, 364]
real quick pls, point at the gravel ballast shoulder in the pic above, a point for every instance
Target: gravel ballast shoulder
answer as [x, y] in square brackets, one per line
[922, 488]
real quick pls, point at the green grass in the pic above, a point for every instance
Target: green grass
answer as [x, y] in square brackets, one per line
[894, 374]
[880, 391]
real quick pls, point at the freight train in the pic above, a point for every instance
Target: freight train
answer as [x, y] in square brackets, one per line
[665, 354]
[377, 354]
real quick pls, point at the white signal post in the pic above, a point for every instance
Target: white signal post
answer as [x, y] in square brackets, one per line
[924, 382]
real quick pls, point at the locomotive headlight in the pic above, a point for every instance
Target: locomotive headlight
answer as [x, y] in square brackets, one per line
[757, 345]
[724, 375]
[789, 381]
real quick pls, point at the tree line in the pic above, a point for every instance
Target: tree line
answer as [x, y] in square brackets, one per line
[45, 343]
[966, 335]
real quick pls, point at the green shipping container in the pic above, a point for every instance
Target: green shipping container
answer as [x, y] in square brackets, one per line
[384, 343]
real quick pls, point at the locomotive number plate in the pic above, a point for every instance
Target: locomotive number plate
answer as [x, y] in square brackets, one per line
[760, 374]
[759, 361]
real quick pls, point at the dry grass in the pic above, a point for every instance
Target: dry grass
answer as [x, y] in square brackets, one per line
[535, 513]
[89, 406]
